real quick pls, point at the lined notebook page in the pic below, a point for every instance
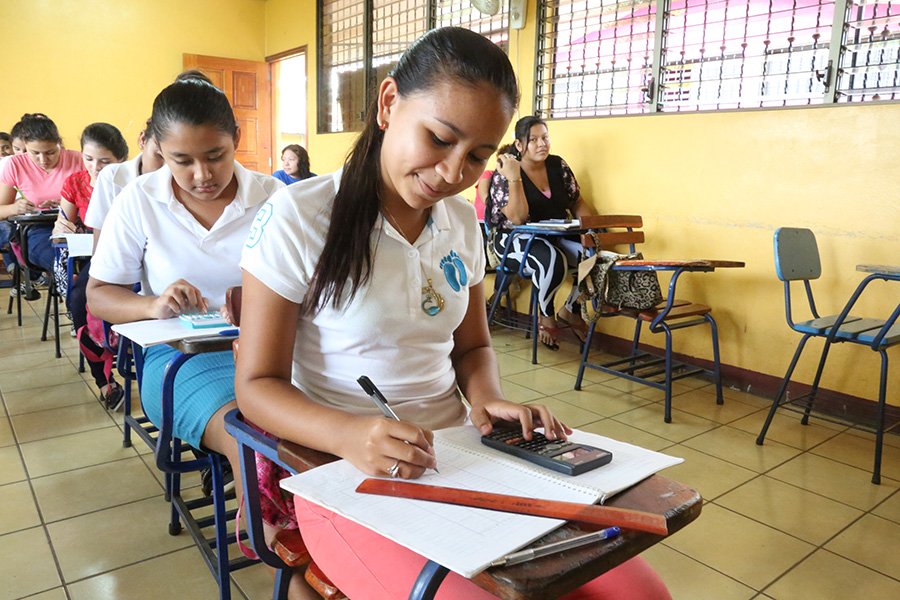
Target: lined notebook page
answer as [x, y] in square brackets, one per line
[463, 539]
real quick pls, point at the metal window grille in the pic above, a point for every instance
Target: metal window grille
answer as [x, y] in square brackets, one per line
[744, 53]
[595, 57]
[870, 58]
[461, 13]
[342, 59]
[395, 25]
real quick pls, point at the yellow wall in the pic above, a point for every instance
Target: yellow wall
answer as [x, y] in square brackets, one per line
[717, 185]
[105, 60]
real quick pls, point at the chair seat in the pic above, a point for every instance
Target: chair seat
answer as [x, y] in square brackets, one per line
[820, 325]
[890, 338]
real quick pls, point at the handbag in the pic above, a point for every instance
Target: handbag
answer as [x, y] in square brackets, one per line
[599, 284]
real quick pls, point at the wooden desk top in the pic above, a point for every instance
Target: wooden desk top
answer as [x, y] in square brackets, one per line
[553, 576]
[885, 269]
[34, 218]
[698, 264]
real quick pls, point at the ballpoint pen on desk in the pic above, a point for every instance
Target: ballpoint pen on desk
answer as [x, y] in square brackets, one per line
[380, 401]
[553, 548]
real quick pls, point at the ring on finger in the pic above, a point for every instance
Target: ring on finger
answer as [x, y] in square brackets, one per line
[394, 470]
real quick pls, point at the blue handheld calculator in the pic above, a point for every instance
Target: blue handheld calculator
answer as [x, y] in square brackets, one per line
[203, 320]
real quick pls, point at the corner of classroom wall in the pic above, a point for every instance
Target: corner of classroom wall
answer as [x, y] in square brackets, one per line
[717, 185]
[105, 60]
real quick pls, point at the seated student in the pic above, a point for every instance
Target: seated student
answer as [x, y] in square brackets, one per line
[102, 145]
[5, 145]
[378, 271]
[295, 160]
[39, 176]
[483, 187]
[531, 184]
[179, 232]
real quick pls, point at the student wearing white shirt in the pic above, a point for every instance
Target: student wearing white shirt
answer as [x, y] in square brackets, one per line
[179, 232]
[378, 271]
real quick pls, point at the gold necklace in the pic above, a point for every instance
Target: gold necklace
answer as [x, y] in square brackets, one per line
[432, 301]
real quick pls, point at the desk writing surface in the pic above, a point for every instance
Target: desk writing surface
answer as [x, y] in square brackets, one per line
[160, 331]
[885, 269]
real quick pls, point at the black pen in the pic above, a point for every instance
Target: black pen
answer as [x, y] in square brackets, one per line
[380, 401]
[547, 549]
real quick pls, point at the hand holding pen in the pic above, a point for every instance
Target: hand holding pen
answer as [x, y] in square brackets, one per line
[381, 402]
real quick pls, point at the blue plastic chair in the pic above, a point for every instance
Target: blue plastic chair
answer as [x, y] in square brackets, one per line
[797, 259]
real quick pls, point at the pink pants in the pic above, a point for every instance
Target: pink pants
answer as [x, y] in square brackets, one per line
[365, 565]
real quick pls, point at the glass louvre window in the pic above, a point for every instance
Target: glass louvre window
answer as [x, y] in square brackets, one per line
[595, 57]
[744, 53]
[342, 76]
[461, 13]
[870, 57]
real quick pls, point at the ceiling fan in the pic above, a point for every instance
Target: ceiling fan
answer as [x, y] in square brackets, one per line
[492, 7]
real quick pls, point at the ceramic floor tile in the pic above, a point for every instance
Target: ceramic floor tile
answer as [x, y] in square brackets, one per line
[45, 457]
[825, 576]
[702, 402]
[19, 511]
[890, 508]
[60, 421]
[509, 341]
[708, 475]
[19, 362]
[546, 381]
[860, 452]
[569, 414]
[871, 541]
[518, 393]
[790, 509]
[739, 547]
[27, 566]
[739, 447]
[687, 578]
[60, 371]
[47, 398]
[84, 490]
[834, 480]
[11, 468]
[145, 521]
[731, 393]
[36, 350]
[590, 375]
[566, 353]
[650, 418]
[186, 576]
[6, 434]
[255, 582]
[623, 433]
[54, 594]
[678, 388]
[891, 438]
[510, 365]
[602, 400]
[787, 429]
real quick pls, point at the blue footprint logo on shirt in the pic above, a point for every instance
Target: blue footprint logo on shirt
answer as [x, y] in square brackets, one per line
[454, 271]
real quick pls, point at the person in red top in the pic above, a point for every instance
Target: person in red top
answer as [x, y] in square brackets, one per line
[101, 145]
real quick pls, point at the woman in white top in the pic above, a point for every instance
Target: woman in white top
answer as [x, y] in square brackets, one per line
[178, 232]
[377, 270]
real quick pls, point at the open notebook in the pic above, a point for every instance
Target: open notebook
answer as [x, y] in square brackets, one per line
[463, 539]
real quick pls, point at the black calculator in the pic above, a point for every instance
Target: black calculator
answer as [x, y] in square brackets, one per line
[558, 455]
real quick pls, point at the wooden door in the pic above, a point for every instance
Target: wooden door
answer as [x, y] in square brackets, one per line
[246, 84]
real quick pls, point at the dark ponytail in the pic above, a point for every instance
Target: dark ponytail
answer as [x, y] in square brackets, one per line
[444, 54]
[37, 127]
[108, 136]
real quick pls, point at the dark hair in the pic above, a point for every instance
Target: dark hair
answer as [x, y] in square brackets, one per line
[302, 159]
[16, 131]
[505, 149]
[5, 137]
[443, 54]
[192, 101]
[196, 75]
[37, 127]
[523, 128]
[106, 135]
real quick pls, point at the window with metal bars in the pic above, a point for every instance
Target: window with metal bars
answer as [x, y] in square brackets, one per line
[601, 57]
[360, 41]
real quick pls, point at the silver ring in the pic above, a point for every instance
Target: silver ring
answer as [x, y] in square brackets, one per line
[394, 470]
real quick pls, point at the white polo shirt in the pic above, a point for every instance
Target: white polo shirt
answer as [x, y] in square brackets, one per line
[151, 238]
[383, 333]
[111, 180]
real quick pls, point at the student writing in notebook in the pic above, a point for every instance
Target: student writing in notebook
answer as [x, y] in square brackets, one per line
[377, 270]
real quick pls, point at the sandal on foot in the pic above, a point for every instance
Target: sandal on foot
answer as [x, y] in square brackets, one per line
[579, 329]
[114, 397]
[552, 333]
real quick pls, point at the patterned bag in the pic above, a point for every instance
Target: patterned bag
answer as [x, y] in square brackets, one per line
[599, 284]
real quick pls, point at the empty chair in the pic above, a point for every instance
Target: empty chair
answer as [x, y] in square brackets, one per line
[797, 259]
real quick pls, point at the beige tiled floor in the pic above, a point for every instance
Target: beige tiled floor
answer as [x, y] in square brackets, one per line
[84, 518]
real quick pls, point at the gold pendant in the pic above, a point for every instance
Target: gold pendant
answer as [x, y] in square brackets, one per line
[432, 301]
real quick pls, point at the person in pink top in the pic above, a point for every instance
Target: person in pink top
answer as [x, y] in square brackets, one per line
[39, 175]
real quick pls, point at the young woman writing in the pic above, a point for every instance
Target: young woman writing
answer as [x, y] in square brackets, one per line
[376, 270]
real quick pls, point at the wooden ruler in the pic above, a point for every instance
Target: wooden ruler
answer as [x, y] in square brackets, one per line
[569, 511]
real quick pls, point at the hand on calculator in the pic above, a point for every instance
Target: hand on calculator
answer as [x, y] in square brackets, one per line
[181, 297]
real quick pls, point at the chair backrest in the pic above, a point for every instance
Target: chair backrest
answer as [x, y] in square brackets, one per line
[796, 254]
[613, 230]
[233, 299]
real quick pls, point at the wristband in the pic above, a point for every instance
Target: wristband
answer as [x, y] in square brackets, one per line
[514, 180]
